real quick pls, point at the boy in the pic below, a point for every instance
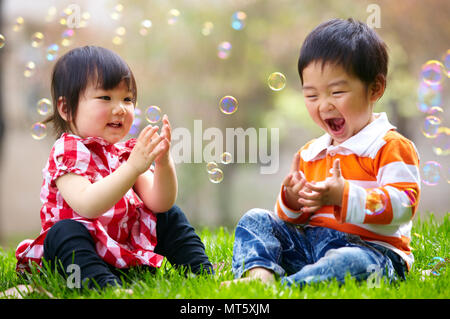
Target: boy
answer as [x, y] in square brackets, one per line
[347, 204]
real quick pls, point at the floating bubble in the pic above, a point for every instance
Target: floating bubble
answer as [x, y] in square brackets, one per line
[2, 41]
[29, 69]
[447, 62]
[226, 158]
[437, 263]
[18, 24]
[238, 20]
[276, 81]
[52, 52]
[37, 39]
[51, 14]
[431, 173]
[153, 114]
[409, 198]
[207, 28]
[117, 13]
[117, 40]
[67, 37]
[441, 143]
[432, 72]
[173, 16]
[224, 50]
[121, 31]
[431, 126]
[38, 131]
[429, 96]
[376, 201]
[216, 175]
[228, 104]
[44, 106]
[210, 166]
[145, 27]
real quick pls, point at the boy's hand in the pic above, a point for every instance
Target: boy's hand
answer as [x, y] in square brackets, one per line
[147, 148]
[329, 192]
[166, 133]
[294, 183]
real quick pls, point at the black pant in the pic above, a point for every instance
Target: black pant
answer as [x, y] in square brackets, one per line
[69, 242]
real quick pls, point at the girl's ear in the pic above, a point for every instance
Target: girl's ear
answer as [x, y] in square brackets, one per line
[62, 108]
[377, 88]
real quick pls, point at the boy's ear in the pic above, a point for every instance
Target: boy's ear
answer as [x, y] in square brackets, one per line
[62, 108]
[376, 89]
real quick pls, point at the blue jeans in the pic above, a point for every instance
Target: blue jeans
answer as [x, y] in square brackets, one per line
[302, 255]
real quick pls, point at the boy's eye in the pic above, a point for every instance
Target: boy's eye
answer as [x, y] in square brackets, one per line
[311, 96]
[338, 92]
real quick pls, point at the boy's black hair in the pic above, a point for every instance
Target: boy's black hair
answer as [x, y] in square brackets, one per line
[349, 43]
[74, 70]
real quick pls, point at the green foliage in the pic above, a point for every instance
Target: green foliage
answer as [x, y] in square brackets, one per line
[429, 239]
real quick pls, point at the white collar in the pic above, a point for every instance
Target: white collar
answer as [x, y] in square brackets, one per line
[358, 144]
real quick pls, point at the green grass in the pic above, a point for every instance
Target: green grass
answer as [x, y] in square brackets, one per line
[430, 239]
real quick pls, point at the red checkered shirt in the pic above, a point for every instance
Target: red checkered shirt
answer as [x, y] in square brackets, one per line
[124, 236]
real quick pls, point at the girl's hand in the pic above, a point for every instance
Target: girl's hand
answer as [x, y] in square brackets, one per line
[166, 133]
[293, 184]
[329, 192]
[147, 148]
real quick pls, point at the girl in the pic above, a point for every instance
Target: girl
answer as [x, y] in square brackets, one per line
[104, 208]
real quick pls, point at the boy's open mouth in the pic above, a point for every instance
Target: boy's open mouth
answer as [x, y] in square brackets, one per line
[336, 125]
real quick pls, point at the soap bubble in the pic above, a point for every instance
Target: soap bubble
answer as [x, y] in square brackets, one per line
[52, 52]
[2, 41]
[226, 158]
[238, 20]
[134, 129]
[432, 72]
[228, 104]
[276, 81]
[173, 16]
[153, 114]
[145, 27]
[429, 96]
[216, 175]
[447, 62]
[437, 263]
[44, 106]
[431, 173]
[67, 37]
[207, 28]
[37, 39]
[431, 126]
[210, 166]
[29, 69]
[224, 50]
[441, 143]
[409, 198]
[376, 201]
[18, 25]
[38, 131]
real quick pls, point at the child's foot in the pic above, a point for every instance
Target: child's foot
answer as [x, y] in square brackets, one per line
[262, 274]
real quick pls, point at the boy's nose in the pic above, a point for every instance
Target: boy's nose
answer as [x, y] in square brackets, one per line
[326, 107]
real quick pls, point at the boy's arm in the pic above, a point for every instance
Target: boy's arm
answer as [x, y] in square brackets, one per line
[396, 201]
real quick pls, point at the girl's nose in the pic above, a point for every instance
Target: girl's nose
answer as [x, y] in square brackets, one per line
[120, 109]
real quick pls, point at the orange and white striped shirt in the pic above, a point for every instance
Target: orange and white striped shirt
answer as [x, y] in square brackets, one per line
[375, 161]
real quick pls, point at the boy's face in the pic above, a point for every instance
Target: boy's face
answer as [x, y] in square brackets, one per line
[338, 102]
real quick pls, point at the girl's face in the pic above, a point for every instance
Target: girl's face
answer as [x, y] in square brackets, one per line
[108, 114]
[338, 102]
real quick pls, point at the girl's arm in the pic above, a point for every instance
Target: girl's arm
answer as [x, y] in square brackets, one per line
[159, 190]
[92, 200]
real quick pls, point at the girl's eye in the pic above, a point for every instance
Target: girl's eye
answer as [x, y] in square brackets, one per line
[128, 99]
[106, 98]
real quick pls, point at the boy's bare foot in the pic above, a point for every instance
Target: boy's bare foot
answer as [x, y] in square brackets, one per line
[258, 273]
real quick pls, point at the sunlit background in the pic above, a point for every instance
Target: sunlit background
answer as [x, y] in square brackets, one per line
[186, 57]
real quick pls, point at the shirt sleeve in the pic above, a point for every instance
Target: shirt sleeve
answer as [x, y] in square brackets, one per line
[396, 200]
[70, 155]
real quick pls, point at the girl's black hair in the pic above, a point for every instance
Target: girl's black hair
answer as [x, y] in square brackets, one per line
[349, 43]
[74, 70]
